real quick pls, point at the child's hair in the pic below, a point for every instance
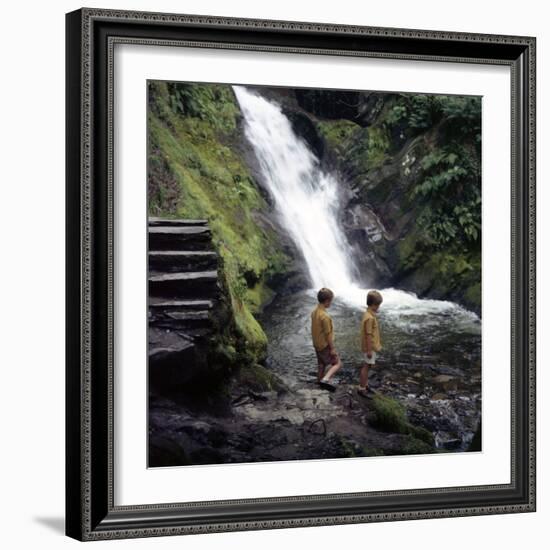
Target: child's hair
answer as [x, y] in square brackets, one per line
[374, 298]
[325, 294]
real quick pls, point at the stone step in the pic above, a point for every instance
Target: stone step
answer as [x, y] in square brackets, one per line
[181, 320]
[193, 237]
[160, 304]
[182, 260]
[171, 355]
[175, 222]
[184, 285]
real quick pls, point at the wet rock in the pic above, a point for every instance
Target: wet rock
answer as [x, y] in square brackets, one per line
[165, 451]
[175, 237]
[438, 396]
[446, 382]
[184, 285]
[452, 444]
[182, 260]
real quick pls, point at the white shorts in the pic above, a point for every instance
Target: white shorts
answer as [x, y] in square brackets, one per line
[372, 360]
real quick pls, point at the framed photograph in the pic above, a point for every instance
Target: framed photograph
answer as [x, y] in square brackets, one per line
[300, 274]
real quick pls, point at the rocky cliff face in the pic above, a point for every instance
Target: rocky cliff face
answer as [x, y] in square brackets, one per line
[410, 168]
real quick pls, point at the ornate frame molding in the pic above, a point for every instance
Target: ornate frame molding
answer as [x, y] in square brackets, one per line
[91, 37]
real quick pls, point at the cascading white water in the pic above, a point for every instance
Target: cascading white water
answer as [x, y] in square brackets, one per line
[307, 200]
[305, 196]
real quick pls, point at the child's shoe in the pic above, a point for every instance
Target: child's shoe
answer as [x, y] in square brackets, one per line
[327, 384]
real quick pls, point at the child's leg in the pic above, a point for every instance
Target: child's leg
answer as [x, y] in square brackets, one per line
[333, 369]
[320, 371]
[364, 376]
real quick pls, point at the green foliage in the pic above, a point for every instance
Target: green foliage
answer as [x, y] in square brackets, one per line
[450, 186]
[462, 115]
[378, 145]
[338, 133]
[417, 112]
[347, 139]
[211, 103]
[396, 114]
[452, 194]
[423, 111]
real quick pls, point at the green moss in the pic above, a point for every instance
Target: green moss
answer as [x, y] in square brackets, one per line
[366, 148]
[410, 255]
[192, 136]
[372, 451]
[258, 378]
[338, 133]
[453, 271]
[348, 449]
[418, 432]
[414, 446]
[258, 295]
[390, 415]
[472, 295]
[254, 336]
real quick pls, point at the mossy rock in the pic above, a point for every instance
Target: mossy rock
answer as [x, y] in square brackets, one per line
[423, 435]
[472, 296]
[338, 134]
[372, 451]
[414, 446]
[259, 378]
[391, 416]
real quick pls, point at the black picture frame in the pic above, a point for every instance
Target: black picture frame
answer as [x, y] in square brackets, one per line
[90, 510]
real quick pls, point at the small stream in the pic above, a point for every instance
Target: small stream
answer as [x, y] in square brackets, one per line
[431, 357]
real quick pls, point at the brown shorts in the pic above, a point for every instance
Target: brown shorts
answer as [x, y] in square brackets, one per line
[324, 358]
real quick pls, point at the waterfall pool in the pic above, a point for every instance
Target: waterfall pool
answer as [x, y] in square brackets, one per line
[431, 357]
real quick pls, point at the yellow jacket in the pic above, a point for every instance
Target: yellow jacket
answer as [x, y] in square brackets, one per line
[369, 325]
[321, 327]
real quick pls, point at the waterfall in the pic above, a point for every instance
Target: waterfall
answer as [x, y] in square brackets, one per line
[306, 198]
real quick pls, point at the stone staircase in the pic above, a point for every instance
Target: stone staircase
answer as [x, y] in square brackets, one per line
[183, 292]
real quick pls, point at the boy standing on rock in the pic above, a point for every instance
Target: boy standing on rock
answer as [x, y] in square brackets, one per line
[322, 333]
[371, 342]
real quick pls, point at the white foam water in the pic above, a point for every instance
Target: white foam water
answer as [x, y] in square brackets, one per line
[307, 201]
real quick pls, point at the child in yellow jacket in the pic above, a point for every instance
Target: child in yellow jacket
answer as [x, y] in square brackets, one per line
[371, 343]
[322, 333]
